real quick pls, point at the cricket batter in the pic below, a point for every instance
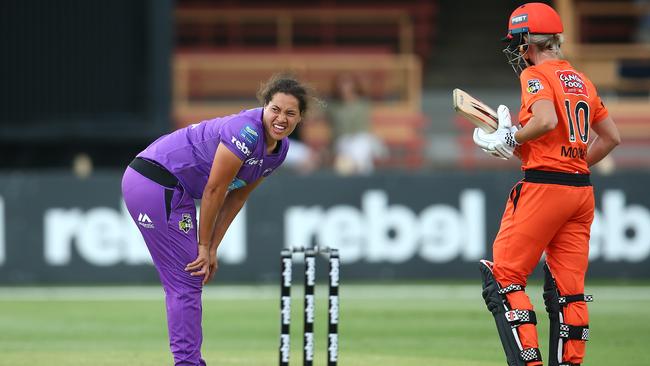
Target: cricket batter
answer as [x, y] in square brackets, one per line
[549, 211]
[219, 161]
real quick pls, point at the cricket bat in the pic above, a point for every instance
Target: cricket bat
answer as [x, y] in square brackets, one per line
[477, 112]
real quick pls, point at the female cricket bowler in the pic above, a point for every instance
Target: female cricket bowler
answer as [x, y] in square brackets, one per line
[550, 211]
[219, 161]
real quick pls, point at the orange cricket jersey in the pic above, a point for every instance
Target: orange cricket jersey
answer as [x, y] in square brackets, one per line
[577, 106]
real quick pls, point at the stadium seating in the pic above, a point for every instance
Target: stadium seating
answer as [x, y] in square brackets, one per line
[403, 133]
[223, 52]
[603, 40]
[208, 83]
[401, 26]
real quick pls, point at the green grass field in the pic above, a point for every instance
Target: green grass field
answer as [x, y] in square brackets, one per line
[396, 325]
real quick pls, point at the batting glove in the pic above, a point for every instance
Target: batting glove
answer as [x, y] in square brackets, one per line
[501, 143]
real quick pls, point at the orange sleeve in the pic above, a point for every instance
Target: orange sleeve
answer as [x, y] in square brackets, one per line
[534, 86]
[600, 111]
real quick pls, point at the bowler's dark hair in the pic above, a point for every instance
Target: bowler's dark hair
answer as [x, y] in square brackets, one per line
[287, 84]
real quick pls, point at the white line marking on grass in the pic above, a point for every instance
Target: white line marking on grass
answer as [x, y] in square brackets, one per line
[270, 292]
[235, 292]
[125, 293]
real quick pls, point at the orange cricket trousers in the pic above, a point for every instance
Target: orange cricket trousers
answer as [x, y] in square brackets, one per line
[551, 218]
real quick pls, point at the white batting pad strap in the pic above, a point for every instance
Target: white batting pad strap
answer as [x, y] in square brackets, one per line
[574, 332]
[531, 354]
[511, 288]
[517, 317]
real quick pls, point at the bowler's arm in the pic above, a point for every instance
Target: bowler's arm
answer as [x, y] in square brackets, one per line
[231, 206]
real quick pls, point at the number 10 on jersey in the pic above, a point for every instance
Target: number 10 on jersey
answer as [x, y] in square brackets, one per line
[578, 119]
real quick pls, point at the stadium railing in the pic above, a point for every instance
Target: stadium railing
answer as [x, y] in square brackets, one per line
[209, 83]
[600, 39]
[401, 26]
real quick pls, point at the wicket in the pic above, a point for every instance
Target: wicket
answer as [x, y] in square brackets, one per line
[310, 285]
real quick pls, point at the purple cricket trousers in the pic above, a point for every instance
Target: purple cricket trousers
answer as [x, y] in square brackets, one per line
[166, 217]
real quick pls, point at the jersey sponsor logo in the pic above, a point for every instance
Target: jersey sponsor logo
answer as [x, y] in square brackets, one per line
[249, 134]
[534, 86]
[185, 223]
[241, 146]
[254, 161]
[520, 19]
[572, 83]
[145, 221]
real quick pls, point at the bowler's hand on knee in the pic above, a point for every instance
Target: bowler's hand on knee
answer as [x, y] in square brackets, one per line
[201, 265]
[214, 264]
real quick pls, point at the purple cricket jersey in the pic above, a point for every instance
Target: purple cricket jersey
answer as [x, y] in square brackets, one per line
[188, 153]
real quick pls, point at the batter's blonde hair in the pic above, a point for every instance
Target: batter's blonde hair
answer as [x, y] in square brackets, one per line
[547, 42]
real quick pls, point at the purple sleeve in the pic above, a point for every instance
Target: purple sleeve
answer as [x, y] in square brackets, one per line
[240, 136]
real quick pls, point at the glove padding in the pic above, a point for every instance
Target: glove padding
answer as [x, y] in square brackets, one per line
[500, 143]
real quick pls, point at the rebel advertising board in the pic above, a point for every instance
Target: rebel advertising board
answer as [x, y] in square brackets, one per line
[55, 228]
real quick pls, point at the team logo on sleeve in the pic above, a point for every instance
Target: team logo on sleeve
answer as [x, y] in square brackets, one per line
[534, 86]
[185, 224]
[249, 134]
[572, 83]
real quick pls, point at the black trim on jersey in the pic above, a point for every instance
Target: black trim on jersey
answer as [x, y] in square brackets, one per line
[565, 179]
[517, 192]
[155, 172]
[169, 194]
